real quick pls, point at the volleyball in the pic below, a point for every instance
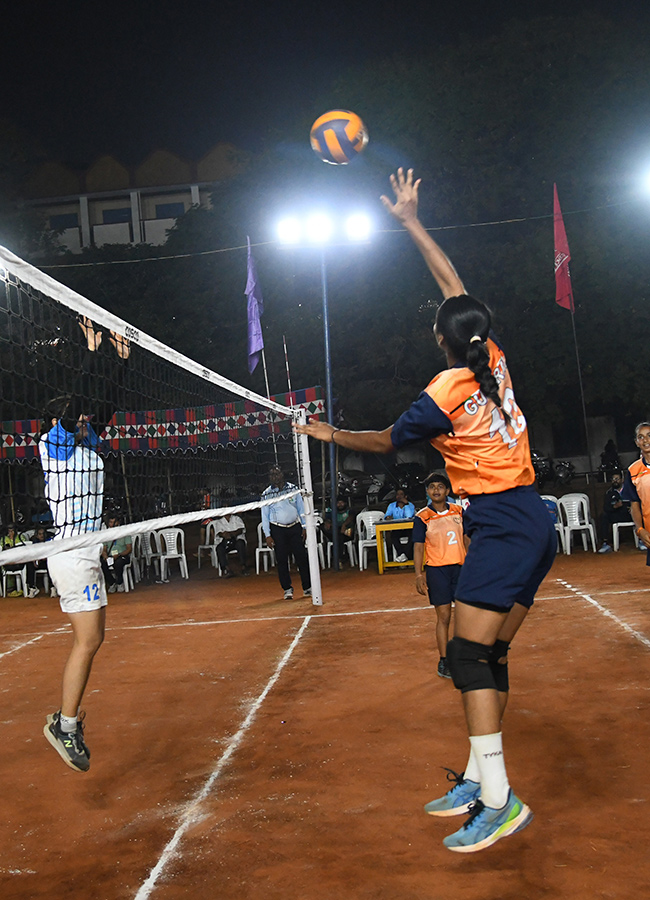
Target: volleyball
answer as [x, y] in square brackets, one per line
[338, 136]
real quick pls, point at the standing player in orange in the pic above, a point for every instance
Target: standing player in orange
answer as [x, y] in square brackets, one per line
[469, 413]
[438, 554]
[636, 486]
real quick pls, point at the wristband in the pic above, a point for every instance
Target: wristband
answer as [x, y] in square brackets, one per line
[332, 441]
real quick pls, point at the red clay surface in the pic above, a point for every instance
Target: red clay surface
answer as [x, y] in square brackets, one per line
[321, 793]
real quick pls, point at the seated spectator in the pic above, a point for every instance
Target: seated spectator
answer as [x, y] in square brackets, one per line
[344, 521]
[609, 460]
[230, 534]
[13, 539]
[115, 556]
[614, 510]
[401, 541]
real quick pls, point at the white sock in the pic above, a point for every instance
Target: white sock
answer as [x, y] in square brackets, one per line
[472, 772]
[488, 752]
[68, 724]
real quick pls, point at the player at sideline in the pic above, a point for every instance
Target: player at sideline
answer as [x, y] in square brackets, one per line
[439, 548]
[469, 413]
[74, 490]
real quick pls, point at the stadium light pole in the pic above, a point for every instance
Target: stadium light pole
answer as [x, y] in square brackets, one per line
[317, 230]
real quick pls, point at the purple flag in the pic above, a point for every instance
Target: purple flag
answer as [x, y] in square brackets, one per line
[255, 310]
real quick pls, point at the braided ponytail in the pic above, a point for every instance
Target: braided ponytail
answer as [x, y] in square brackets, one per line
[465, 323]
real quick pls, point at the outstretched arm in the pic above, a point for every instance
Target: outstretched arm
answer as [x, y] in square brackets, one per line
[405, 210]
[365, 441]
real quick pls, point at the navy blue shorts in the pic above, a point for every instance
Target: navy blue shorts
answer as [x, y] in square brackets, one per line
[513, 545]
[441, 583]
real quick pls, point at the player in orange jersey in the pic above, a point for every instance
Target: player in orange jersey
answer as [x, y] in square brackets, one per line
[470, 414]
[636, 486]
[438, 554]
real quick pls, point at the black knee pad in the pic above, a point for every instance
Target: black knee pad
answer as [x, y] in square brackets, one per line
[499, 651]
[469, 664]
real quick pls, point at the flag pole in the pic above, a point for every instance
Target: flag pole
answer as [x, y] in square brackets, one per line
[268, 397]
[564, 298]
[582, 392]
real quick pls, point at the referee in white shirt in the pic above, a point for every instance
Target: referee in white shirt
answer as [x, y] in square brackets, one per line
[283, 524]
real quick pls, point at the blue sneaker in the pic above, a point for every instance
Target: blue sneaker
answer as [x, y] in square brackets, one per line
[457, 800]
[486, 826]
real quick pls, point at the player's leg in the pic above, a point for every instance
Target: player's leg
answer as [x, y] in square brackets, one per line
[88, 635]
[441, 583]
[77, 576]
[64, 729]
[443, 619]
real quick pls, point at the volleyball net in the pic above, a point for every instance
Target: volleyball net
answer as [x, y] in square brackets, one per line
[100, 419]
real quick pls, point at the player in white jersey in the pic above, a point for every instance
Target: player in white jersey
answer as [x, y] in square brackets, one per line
[74, 488]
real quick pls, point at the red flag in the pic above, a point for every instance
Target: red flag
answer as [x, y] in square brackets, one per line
[563, 291]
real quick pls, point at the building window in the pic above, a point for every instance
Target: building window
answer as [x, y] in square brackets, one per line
[169, 210]
[64, 220]
[113, 216]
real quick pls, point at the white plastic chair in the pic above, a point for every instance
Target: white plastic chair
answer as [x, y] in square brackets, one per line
[575, 516]
[559, 529]
[366, 536]
[352, 553]
[20, 580]
[262, 552]
[209, 546]
[616, 536]
[150, 551]
[137, 558]
[127, 576]
[171, 545]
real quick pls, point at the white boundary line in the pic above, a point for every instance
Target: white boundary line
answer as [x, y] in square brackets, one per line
[319, 615]
[192, 813]
[20, 646]
[610, 615]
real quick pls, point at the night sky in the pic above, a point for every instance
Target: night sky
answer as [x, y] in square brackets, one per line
[125, 78]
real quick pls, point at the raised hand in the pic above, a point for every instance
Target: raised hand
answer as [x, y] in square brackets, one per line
[122, 345]
[405, 207]
[93, 338]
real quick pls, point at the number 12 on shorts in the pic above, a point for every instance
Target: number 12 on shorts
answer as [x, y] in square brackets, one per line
[91, 592]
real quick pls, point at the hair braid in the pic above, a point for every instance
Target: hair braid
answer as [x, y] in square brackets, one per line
[465, 323]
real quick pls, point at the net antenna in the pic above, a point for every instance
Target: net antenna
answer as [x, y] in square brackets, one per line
[99, 417]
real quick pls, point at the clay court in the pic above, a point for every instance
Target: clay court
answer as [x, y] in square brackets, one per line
[250, 748]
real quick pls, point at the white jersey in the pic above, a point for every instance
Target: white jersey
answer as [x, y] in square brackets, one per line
[235, 524]
[74, 482]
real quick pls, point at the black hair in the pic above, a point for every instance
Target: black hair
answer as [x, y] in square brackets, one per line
[639, 427]
[459, 319]
[438, 477]
[55, 408]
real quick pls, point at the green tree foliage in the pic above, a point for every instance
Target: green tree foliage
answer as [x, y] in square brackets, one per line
[21, 229]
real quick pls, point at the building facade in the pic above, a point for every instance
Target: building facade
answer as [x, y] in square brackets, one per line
[110, 203]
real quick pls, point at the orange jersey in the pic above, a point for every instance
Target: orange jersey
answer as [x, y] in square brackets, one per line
[640, 476]
[484, 454]
[443, 542]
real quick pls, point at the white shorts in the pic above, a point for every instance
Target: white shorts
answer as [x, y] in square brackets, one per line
[78, 579]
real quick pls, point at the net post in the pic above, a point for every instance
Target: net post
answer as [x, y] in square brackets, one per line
[300, 416]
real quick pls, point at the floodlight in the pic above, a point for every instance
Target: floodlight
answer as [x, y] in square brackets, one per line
[358, 227]
[289, 231]
[318, 228]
